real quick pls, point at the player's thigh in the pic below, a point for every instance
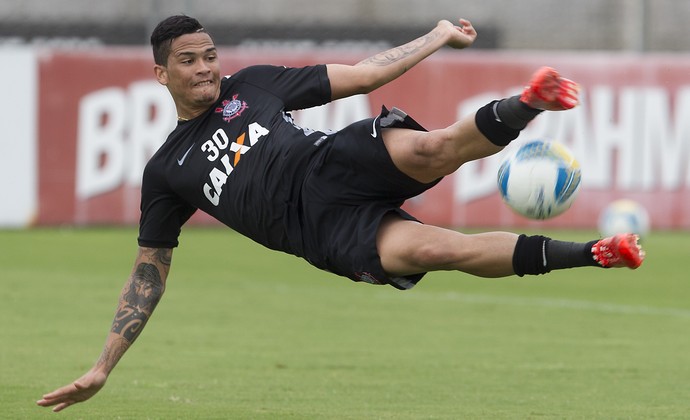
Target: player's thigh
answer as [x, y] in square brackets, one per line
[429, 155]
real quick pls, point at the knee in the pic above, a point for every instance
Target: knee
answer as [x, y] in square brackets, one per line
[424, 156]
[431, 145]
[436, 151]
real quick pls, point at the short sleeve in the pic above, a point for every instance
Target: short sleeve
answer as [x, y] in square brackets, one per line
[298, 88]
[162, 215]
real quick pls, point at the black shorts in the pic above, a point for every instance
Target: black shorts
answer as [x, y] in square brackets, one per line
[347, 192]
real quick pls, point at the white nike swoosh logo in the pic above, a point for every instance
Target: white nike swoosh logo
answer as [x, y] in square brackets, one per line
[181, 161]
[373, 128]
[495, 108]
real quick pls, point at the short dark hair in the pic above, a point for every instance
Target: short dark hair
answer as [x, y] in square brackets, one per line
[169, 29]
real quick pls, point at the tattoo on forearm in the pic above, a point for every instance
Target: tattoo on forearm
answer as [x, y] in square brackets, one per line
[112, 353]
[164, 256]
[399, 53]
[139, 299]
[129, 322]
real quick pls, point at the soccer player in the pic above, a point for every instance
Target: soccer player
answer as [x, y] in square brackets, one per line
[332, 198]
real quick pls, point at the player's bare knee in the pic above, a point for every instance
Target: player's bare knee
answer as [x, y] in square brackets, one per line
[435, 150]
[431, 144]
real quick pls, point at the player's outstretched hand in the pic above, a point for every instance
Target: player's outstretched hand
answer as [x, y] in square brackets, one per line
[80, 390]
[462, 35]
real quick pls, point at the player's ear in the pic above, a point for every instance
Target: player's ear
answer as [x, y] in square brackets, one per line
[161, 73]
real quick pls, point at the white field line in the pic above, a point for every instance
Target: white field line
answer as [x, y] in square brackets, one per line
[582, 305]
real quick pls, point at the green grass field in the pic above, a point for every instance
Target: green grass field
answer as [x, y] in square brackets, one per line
[247, 333]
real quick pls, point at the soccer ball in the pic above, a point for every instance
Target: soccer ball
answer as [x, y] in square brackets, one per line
[624, 216]
[540, 180]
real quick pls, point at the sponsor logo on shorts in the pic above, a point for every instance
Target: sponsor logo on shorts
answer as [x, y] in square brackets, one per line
[373, 128]
[232, 109]
[367, 277]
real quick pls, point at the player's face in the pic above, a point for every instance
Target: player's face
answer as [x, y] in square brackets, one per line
[192, 74]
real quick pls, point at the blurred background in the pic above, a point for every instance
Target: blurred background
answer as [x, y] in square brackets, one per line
[638, 25]
[83, 112]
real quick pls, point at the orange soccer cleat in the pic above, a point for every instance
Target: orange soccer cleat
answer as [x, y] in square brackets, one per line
[622, 250]
[549, 91]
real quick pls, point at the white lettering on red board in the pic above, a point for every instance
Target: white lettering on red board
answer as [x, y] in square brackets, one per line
[118, 131]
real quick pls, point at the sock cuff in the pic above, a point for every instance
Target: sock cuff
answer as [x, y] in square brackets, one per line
[529, 256]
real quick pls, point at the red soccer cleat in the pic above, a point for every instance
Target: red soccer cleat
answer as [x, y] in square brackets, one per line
[549, 91]
[622, 250]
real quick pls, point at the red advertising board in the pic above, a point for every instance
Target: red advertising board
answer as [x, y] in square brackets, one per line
[101, 115]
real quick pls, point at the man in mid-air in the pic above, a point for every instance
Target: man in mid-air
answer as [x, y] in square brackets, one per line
[332, 198]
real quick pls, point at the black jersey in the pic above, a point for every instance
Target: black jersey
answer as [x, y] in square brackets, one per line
[241, 161]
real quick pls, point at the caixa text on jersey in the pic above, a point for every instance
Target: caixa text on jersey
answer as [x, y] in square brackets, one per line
[220, 149]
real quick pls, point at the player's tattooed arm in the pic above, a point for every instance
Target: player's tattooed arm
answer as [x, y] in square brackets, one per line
[377, 70]
[445, 33]
[398, 53]
[140, 295]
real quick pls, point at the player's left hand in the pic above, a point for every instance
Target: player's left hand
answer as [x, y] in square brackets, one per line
[462, 35]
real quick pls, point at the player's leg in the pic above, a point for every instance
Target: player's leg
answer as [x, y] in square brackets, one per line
[427, 156]
[407, 247]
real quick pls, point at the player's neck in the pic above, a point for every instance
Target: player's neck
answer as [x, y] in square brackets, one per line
[186, 114]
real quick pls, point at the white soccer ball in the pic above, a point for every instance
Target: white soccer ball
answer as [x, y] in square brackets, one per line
[540, 180]
[624, 216]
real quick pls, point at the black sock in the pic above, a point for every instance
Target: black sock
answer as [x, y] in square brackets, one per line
[539, 255]
[501, 121]
[560, 254]
[529, 256]
[514, 113]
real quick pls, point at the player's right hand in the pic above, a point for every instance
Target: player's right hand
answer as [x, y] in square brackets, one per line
[80, 390]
